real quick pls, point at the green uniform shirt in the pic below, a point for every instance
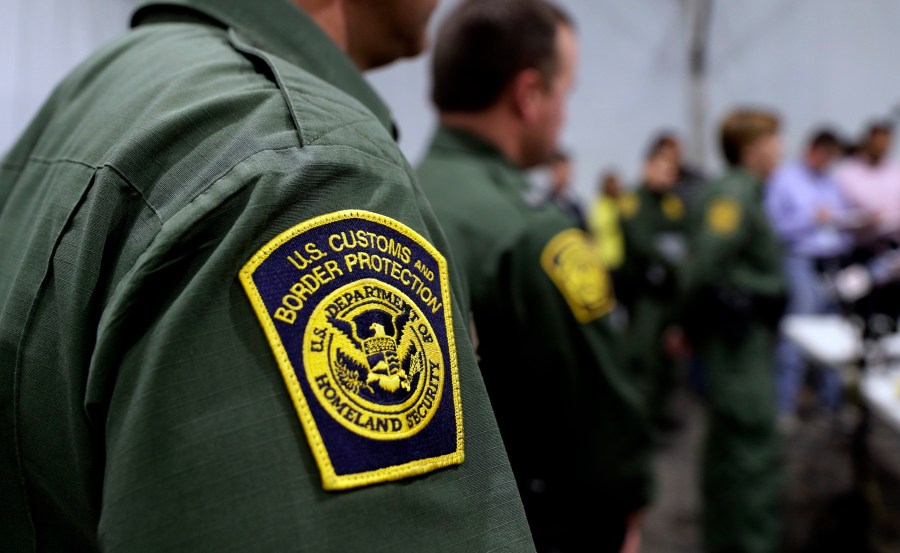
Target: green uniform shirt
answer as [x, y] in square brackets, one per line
[733, 278]
[653, 226]
[540, 298]
[219, 297]
[731, 241]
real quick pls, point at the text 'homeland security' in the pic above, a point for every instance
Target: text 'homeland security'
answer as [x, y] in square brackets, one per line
[382, 423]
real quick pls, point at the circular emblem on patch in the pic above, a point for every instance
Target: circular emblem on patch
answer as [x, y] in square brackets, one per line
[372, 360]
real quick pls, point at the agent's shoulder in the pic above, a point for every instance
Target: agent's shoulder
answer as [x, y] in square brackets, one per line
[470, 191]
[281, 93]
[325, 114]
[735, 185]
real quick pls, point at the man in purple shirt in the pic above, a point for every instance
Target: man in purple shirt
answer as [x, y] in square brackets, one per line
[807, 210]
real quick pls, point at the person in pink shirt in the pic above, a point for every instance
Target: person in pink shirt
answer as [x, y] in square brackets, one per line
[870, 180]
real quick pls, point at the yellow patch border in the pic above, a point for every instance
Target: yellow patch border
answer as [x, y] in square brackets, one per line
[331, 480]
[582, 314]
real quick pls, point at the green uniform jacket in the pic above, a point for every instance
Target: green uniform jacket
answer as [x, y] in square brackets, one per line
[147, 400]
[732, 244]
[569, 418]
[734, 283]
[653, 227]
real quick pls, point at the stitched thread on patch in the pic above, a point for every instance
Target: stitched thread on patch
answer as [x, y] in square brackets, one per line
[356, 308]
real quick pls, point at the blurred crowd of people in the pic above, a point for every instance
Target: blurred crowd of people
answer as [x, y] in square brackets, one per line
[707, 267]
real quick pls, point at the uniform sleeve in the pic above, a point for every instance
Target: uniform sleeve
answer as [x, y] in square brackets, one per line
[637, 249]
[716, 232]
[564, 302]
[213, 445]
[637, 236]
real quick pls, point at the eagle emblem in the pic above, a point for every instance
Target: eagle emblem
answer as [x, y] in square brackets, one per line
[377, 344]
[372, 360]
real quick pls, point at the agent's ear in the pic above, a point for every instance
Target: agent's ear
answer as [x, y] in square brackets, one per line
[527, 91]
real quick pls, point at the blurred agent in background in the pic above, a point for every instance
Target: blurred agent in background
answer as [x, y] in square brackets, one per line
[653, 225]
[688, 179]
[540, 297]
[735, 292]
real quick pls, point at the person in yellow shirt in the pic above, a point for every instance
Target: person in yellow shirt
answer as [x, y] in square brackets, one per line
[603, 220]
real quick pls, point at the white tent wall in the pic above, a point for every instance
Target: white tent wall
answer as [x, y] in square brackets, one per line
[814, 61]
[631, 81]
[41, 40]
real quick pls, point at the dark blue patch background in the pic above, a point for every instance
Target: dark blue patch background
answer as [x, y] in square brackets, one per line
[351, 453]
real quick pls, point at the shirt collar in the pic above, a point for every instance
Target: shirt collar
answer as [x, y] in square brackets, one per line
[280, 27]
[741, 174]
[459, 141]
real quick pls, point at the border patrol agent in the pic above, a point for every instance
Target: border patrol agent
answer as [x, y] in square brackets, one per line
[224, 320]
[538, 291]
[653, 226]
[736, 294]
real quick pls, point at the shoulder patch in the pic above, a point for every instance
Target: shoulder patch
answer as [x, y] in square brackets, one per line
[723, 216]
[672, 207]
[629, 204]
[356, 308]
[573, 263]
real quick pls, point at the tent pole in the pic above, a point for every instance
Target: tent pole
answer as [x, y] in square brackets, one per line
[701, 11]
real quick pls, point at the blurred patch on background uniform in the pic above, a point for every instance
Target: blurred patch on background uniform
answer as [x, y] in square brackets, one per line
[356, 308]
[672, 207]
[723, 216]
[629, 204]
[571, 260]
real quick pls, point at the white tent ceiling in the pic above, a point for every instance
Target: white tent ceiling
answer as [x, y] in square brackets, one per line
[814, 61]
